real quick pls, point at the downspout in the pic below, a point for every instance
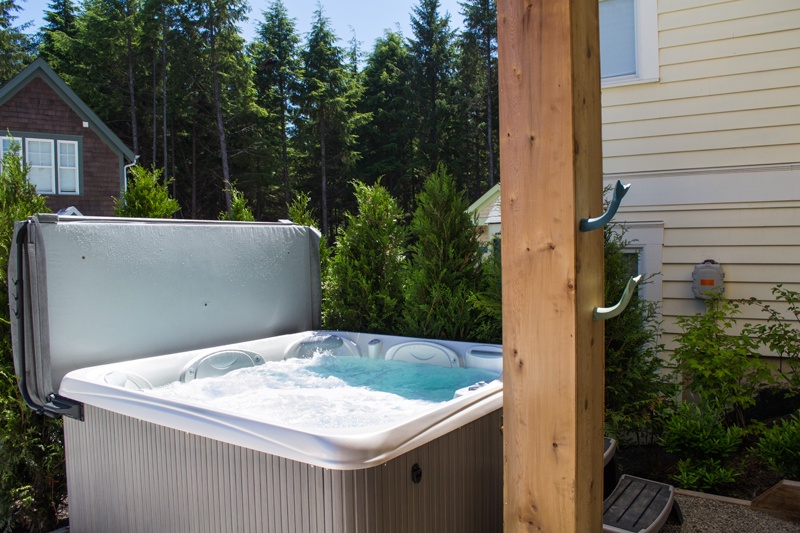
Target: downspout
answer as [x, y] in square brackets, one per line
[125, 172]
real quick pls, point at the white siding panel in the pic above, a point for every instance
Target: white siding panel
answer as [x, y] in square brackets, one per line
[755, 90]
[706, 14]
[787, 153]
[737, 46]
[668, 6]
[733, 236]
[743, 255]
[727, 66]
[725, 29]
[742, 274]
[737, 120]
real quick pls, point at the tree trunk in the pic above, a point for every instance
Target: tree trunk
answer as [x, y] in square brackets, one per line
[164, 92]
[194, 169]
[134, 129]
[489, 143]
[226, 178]
[323, 174]
[284, 140]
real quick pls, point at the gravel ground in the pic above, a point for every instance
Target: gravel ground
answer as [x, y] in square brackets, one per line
[710, 516]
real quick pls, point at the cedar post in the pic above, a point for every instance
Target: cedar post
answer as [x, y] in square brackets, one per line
[551, 175]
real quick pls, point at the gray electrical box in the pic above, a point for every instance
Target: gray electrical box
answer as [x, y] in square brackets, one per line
[707, 279]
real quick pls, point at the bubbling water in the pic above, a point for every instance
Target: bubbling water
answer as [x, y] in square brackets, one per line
[326, 391]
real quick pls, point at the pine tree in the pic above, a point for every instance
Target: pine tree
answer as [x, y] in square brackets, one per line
[277, 70]
[445, 264]
[363, 291]
[59, 28]
[480, 20]
[387, 140]
[329, 117]
[432, 78]
[15, 47]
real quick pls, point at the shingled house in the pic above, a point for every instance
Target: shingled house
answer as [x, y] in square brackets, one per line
[75, 159]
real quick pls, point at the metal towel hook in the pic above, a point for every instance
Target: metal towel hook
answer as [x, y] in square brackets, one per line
[604, 313]
[589, 224]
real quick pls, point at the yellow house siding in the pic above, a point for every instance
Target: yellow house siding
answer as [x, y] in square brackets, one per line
[757, 244]
[728, 92]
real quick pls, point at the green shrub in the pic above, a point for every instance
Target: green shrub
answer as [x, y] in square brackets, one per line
[489, 302]
[445, 266]
[33, 486]
[697, 433]
[716, 364]
[146, 197]
[239, 209]
[300, 213]
[779, 448]
[637, 391]
[782, 335]
[363, 288]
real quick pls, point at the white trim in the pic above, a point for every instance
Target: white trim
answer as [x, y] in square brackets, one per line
[647, 238]
[646, 21]
[771, 183]
[33, 167]
[76, 168]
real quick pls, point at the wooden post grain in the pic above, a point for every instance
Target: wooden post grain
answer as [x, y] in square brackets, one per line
[551, 175]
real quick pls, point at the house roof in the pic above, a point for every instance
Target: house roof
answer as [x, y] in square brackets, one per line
[41, 69]
[488, 197]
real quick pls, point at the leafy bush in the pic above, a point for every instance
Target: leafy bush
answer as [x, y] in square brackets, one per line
[699, 436]
[445, 269]
[32, 477]
[636, 390]
[783, 336]
[146, 197]
[779, 448]
[363, 290]
[717, 364]
[239, 209]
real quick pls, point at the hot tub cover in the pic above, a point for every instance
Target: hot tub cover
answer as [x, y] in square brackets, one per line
[86, 291]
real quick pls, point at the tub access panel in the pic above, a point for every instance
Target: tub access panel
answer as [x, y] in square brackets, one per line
[86, 291]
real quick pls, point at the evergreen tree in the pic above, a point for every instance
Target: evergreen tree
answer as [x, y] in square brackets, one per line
[480, 20]
[445, 264]
[60, 27]
[329, 118]
[277, 68]
[432, 78]
[363, 291]
[146, 196]
[387, 140]
[15, 46]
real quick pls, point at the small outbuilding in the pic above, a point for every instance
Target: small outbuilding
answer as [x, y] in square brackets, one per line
[75, 159]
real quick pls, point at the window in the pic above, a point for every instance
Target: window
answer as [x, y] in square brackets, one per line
[628, 41]
[54, 163]
[67, 167]
[39, 155]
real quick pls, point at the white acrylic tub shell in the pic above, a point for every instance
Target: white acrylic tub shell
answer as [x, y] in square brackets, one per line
[351, 448]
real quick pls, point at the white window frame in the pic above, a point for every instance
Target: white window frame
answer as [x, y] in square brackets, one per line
[53, 162]
[646, 36]
[76, 168]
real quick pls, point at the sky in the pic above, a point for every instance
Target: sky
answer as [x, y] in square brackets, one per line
[368, 18]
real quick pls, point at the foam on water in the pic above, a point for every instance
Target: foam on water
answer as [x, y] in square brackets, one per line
[328, 391]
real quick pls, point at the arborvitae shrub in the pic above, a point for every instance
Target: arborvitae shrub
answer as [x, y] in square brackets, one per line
[146, 196]
[445, 270]
[363, 288]
[239, 209]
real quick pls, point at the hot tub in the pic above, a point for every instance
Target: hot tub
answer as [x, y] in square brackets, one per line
[115, 312]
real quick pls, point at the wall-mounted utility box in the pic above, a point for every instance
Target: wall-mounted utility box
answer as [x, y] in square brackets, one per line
[707, 279]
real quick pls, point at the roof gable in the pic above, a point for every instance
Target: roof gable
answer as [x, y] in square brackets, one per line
[40, 69]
